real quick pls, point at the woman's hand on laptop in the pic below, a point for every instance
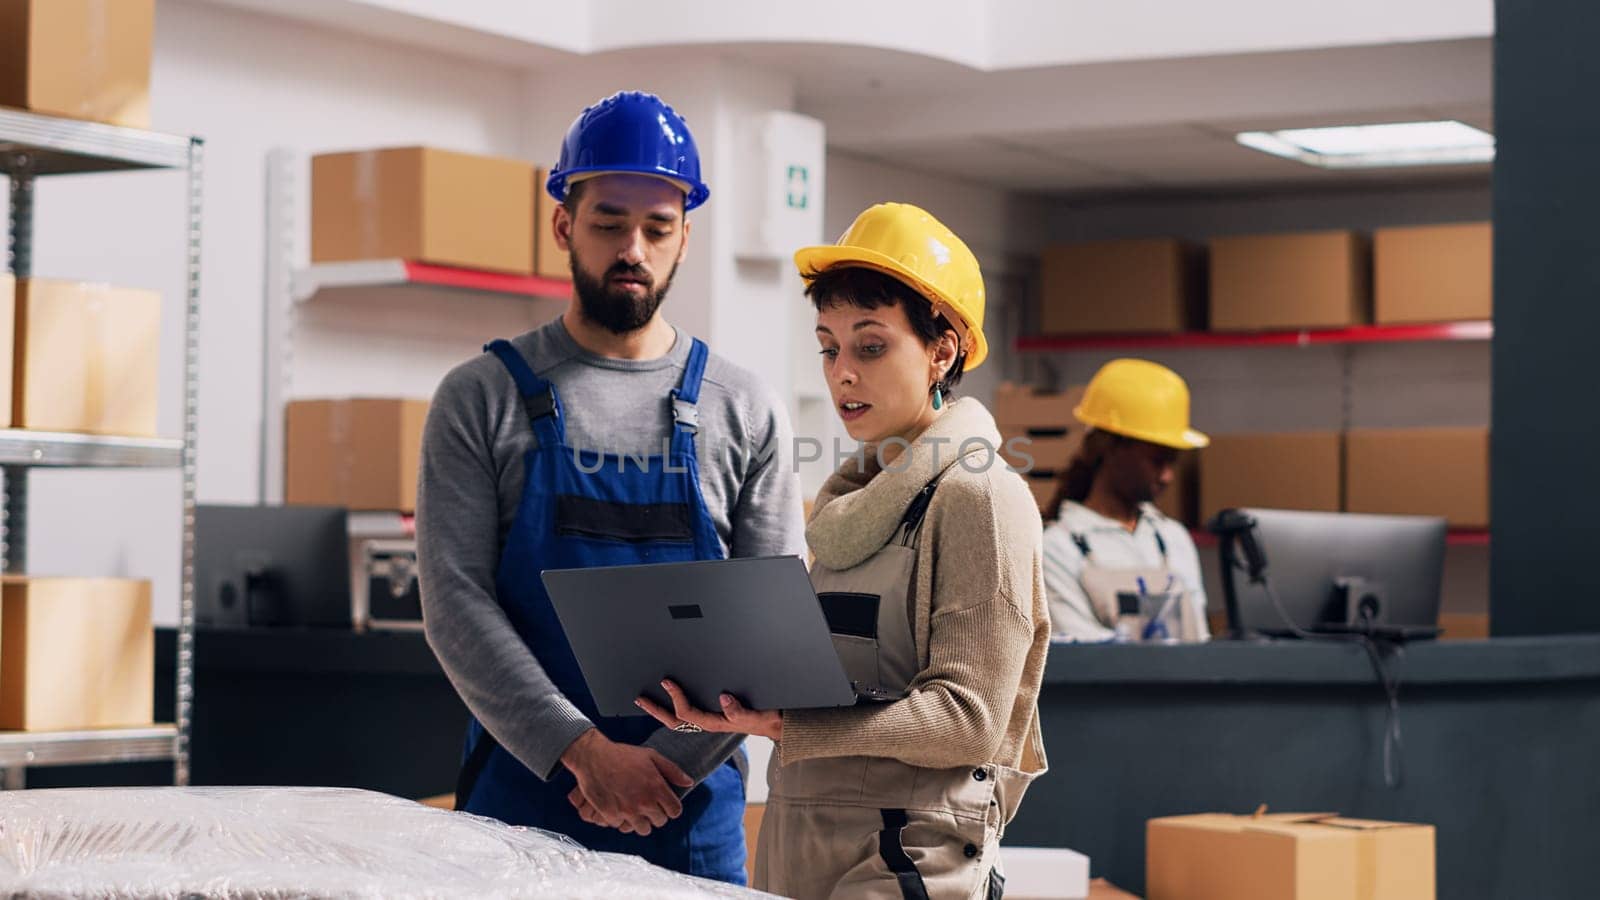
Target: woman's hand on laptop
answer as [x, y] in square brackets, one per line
[733, 718]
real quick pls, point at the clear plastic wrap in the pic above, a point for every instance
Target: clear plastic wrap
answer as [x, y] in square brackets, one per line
[297, 842]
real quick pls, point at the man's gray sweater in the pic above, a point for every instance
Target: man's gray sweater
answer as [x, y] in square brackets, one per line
[471, 483]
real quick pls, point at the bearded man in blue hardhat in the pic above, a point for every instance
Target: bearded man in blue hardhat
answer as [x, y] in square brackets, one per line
[606, 437]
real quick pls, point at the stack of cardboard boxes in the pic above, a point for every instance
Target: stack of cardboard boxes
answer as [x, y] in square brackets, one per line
[77, 653]
[1270, 282]
[1423, 471]
[420, 204]
[435, 206]
[1315, 280]
[1038, 433]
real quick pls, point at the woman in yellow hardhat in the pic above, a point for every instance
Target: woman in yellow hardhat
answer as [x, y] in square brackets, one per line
[928, 561]
[1107, 548]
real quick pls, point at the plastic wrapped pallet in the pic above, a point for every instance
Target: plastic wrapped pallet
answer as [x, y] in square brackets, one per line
[297, 842]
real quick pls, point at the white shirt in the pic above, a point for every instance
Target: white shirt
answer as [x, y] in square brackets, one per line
[1112, 546]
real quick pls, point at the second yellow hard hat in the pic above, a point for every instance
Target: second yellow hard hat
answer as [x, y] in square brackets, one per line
[1141, 400]
[907, 243]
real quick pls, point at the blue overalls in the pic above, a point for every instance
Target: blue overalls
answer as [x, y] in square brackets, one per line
[601, 509]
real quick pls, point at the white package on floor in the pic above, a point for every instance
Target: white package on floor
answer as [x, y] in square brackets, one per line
[1045, 873]
[297, 842]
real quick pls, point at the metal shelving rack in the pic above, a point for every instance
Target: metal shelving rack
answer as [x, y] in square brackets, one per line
[31, 147]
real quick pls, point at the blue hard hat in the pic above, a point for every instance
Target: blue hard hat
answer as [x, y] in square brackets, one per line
[631, 131]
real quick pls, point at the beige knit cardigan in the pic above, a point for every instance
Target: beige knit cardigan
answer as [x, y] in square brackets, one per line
[979, 614]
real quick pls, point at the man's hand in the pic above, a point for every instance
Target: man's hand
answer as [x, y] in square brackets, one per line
[622, 786]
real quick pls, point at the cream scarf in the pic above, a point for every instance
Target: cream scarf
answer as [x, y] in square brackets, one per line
[861, 503]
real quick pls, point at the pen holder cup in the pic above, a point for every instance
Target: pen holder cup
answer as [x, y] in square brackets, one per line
[1158, 618]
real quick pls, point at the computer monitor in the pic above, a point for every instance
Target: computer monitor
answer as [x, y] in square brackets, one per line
[1336, 572]
[272, 566]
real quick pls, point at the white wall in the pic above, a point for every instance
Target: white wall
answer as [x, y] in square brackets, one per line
[985, 34]
[249, 82]
[1005, 231]
[1001, 227]
[511, 32]
[1200, 216]
[1043, 32]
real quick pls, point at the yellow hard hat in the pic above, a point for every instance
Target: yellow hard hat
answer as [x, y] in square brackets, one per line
[1140, 400]
[906, 243]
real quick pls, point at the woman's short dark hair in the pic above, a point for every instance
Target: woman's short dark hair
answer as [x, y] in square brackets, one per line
[870, 289]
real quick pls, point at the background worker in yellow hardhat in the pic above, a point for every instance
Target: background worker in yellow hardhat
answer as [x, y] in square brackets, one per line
[1105, 542]
[927, 568]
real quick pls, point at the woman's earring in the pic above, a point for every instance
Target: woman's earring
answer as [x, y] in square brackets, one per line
[938, 398]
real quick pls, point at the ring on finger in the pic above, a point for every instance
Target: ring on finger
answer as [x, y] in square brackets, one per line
[687, 728]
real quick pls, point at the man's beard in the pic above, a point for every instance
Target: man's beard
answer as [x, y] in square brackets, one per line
[616, 311]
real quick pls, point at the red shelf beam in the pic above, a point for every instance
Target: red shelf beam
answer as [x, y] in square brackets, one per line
[1363, 334]
[1458, 537]
[479, 280]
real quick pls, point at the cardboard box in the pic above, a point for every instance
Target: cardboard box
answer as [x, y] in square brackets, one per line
[75, 653]
[1039, 451]
[1287, 281]
[549, 260]
[1101, 889]
[1437, 273]
[1420, 471]
[418, 203]
[1464, 626]
[753, 814]
[87, 358]
[1018, 407]
[1271, 471]
[1312, 856]
[85, 59]
[359, 453]
[1121, 287]
[1043, 487]
[1180, 501]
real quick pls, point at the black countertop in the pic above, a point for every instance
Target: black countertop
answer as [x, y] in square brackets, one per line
[1287, 662]
[1291, 662]
[305, 651]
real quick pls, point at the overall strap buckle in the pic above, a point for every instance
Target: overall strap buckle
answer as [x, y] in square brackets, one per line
[1083, 543]
[685, 415]
[541, 404]
[538, 396]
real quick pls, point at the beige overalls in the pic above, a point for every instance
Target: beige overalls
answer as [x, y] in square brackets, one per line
[874, 827]
[1105, 588]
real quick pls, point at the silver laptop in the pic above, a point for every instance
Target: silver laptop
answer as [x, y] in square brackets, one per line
[749, 627]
